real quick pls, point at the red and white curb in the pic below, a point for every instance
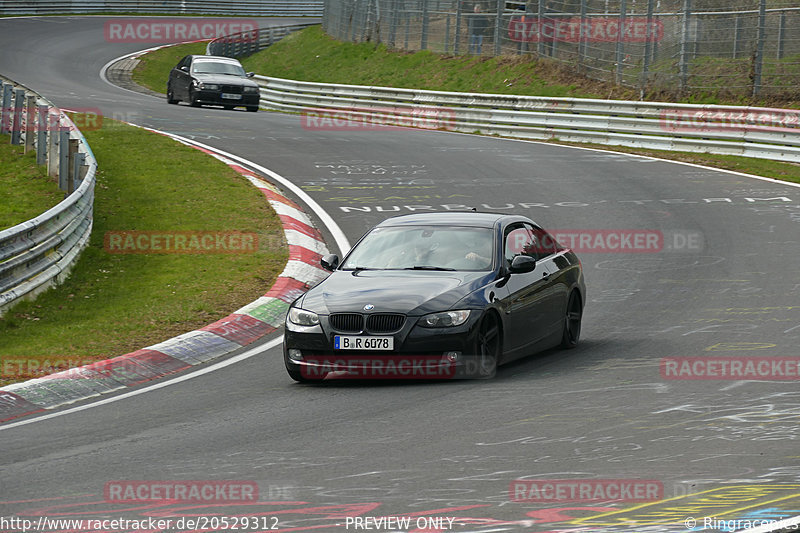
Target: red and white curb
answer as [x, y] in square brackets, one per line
[242, 327]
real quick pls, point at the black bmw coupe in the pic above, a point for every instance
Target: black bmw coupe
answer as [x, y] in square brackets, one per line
[212, 80]
[437, 295]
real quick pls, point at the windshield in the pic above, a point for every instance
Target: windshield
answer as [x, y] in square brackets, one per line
[424, 248]
[217, 67]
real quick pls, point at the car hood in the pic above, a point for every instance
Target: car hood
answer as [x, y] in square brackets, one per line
[390, 291]
[225, 79]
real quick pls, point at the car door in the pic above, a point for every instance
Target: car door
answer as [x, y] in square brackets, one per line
[530, 301]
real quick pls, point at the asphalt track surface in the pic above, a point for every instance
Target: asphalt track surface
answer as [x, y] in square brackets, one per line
[727, 449]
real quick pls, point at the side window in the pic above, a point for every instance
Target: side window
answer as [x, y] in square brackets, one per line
[184, 62]
[520, 240]
[547, 244]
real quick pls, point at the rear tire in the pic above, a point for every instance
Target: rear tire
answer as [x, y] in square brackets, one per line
[253, 109]
[572, 322]
[171, 96]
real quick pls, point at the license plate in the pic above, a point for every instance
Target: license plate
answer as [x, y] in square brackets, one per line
[348, 342]
[230, 96]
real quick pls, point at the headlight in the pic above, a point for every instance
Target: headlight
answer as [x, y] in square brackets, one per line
[251, 89]
[301, 317]
[208, 86]
[444, 320]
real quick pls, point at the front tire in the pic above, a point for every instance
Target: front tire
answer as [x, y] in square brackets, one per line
[488, 345]
[252, 108]
[193, 101]
[572, 322]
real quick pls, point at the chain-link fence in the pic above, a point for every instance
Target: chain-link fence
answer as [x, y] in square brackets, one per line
[713, 46]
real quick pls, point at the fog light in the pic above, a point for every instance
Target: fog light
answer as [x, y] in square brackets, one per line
[452, 356]
[295, 354]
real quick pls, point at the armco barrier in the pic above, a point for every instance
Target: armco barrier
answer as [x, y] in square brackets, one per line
[262, 8]
[746, 131]
[245, 43]
[39, 253]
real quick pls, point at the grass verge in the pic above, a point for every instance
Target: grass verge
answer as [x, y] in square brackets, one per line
[25, 188]
[117, 303]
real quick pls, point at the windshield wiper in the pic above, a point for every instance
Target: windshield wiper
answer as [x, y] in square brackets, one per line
[428, 267]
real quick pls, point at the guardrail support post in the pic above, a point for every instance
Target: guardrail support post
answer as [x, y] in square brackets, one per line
[79, 169]
[30, 122]
[758, 57]
[71, 174]
[41, 137]
[16, 127]
[5, 112]
[63, 158]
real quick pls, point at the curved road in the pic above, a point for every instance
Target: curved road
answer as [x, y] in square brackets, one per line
[726, 283]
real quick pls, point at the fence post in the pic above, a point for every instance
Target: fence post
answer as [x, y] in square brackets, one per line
[582, 38]
[621, 41]
[758, 56]
[447, 34]
[648, 45]
[781, 33]
[539, 21]
[41, 138]
[684, 53]
[393, 25]
[423, 45]
[456, 42]
[498, 20]
[737, 23]
[30, 122]
[16, 131]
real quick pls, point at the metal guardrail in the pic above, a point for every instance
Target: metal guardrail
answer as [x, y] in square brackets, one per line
[746, 131]
[39, 253]
[262, 8]
[250, 42]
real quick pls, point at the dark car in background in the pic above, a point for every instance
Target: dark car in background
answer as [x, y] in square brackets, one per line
[459, 291]
[212, 80]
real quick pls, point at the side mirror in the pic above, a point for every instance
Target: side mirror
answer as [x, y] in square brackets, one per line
[185, 68]
[250, 74]
[329, 262]
[522, 264]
